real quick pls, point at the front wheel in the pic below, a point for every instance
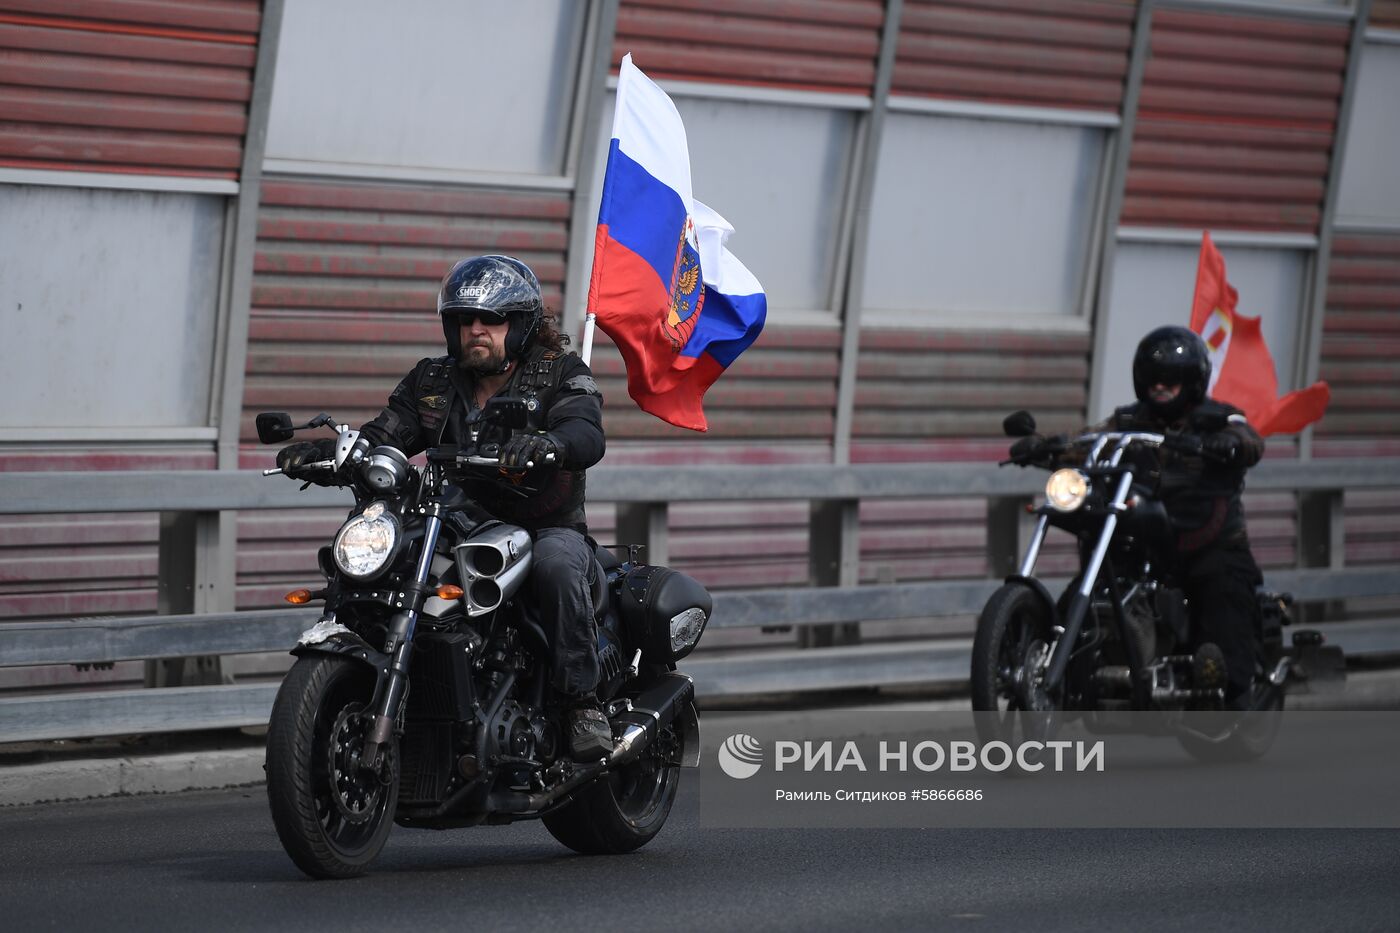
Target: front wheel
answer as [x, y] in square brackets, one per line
[332, 815]
[626, 809]
[1009, 654]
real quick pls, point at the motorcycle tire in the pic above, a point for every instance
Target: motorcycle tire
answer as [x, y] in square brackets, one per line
[332, 818]
[622, 811]
[1014, 623]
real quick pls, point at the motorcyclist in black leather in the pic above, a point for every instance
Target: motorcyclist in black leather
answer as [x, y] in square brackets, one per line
[1200, 476]
[501, 344]
[1198, 473]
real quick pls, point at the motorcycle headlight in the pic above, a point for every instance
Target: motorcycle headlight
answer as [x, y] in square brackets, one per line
[366, 541]
[1066, 490]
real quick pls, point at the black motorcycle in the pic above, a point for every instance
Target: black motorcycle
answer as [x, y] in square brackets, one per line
[421, 695]
[1119, 638]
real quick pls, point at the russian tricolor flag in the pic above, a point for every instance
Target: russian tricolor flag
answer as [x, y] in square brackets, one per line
[676, 302]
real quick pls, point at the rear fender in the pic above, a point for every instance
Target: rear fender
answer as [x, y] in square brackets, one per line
[688, 725]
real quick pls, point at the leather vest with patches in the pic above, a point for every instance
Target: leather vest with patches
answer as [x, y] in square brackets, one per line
[536, 379]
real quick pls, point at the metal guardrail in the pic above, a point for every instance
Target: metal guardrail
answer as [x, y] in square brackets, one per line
[215, 490]
[834, 603]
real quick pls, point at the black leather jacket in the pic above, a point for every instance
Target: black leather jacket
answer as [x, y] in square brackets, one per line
[434, 405]
[1201, 495]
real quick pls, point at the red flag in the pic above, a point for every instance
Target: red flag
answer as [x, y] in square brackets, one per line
[1241, 368]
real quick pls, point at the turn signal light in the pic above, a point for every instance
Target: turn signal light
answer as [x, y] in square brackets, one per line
[297, 597]
[449, 592]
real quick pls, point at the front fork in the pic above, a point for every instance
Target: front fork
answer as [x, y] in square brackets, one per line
[399, 645]
[1079, 605]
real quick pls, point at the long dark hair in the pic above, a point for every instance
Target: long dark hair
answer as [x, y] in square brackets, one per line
[550, 337]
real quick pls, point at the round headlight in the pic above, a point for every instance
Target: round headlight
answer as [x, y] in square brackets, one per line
[365, 542]
[1066, 490]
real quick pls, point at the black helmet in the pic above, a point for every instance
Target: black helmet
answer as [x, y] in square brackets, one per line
[1172, 356]
[495, 285]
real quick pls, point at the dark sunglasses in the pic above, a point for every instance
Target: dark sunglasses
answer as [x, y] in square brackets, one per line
[489, 318]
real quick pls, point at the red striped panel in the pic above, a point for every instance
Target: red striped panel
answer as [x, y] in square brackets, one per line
[1235, 123]
[1360, 344]
[133, 86]
[926, 396]
[345, 283]
[60, 566]
[941, 395]
[819, 45]
[1361, 340]
[1385, 14]
[1046, 53]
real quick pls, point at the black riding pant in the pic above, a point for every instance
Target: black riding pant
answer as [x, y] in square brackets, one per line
[1220, 582]
[561, 590]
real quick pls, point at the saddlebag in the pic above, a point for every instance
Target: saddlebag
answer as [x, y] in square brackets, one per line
[663, 611]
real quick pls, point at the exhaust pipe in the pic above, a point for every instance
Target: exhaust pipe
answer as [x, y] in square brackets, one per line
[657, 708]
[492, 565]
[494, 550]
[485, 594]
[654, 710]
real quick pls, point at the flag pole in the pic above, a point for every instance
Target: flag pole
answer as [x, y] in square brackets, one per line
[587, 351]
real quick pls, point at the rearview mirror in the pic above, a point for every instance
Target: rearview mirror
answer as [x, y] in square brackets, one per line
[1018, 424]
[508, 412]
[274, 427]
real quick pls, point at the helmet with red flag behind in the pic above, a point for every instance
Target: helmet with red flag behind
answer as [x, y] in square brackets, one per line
[1171, 356]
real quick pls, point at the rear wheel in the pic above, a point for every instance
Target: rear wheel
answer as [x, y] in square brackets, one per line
[332, 815]
[1009, 654]
[626, 809]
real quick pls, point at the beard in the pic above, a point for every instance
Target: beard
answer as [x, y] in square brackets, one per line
[482, 360]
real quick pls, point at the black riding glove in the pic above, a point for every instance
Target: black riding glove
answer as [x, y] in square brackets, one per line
[294, 457]
[1028, 447]
[1220, 447]
[530, 451]
[1033, 447]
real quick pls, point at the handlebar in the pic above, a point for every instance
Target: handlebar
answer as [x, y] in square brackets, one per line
[496, 461]
[315, 465]
[1123, 437]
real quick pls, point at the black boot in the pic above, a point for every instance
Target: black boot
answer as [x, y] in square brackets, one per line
[590, 736]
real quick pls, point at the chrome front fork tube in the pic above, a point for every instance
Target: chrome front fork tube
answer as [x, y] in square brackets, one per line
[1033, 549]
[1079, 604]
[400, 645]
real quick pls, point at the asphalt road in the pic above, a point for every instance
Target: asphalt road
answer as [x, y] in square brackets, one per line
[211, 861]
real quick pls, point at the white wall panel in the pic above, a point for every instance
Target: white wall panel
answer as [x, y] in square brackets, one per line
[974, 217]
[1370, 191]
[1153, 285]
[440, 85]
[107, 306]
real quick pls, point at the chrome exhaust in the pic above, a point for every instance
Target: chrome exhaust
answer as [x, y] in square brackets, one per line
[492, 566]
[485, 594]
[493, 551]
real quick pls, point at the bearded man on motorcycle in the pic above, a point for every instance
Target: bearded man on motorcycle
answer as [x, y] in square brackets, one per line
[500, 343]
[1198, 473]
